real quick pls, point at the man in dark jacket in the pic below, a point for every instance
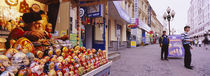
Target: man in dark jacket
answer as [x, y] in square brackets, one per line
[164, 43]
[206, 41]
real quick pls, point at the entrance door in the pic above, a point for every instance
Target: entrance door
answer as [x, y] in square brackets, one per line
[89, 36]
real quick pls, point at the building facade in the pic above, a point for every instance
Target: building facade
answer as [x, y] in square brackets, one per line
[198, 17]
[120, 13]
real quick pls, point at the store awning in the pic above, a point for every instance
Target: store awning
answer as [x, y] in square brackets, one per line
[118, 13]
[144, 26]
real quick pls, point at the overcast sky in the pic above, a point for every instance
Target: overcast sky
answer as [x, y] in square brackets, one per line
[179, 6]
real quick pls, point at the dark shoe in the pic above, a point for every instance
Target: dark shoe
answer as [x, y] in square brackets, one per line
[192, 67]
[166, 59]
[189, 67]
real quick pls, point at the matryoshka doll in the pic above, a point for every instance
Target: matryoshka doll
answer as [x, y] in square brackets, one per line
[71, 51]
[58, 52]
[4, 60]
[48, 53]
[39, 54]
[65, 50]
[58, 68]
[20, 59]
[10, 52]
[30, 56]
[71, 73]
[65, 69]
[48, 67]
[52, 73]
[88, 63]
[37, 70]
[76, 48]
[2, 68]
[23, 71]
[60, 59]
[54, 58]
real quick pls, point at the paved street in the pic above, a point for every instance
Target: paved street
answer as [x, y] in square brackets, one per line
[145, 61]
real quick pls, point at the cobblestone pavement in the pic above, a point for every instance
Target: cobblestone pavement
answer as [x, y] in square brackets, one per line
[145, 61]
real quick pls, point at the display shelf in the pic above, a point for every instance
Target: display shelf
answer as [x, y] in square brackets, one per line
[4, 34]
[98, 70]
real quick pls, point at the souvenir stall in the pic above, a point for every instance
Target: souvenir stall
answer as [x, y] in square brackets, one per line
[27, 49]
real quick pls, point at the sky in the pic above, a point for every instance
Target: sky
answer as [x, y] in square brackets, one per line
[179, 6]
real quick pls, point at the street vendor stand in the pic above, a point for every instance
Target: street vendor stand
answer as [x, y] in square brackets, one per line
[176, 49]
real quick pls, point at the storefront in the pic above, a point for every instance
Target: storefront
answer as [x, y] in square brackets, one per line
[118, 21]
[33, 49]
[94, 22]
[145, 32]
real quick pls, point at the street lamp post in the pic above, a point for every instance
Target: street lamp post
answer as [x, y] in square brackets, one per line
[168, 16]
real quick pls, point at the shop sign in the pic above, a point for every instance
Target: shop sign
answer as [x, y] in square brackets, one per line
[95, 11]
[133, 43]
[73, 39]
[136, 9]
[175, 47]
[62, 33]
[82, 12]
[134, 31]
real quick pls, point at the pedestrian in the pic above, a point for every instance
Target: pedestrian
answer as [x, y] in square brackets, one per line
[199, 42]
[196, 43]
[206, 41]
[186, 41]
[164, 43]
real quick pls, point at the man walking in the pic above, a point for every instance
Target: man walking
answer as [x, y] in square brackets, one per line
[206, 41]
[164, 43]
[186, 41]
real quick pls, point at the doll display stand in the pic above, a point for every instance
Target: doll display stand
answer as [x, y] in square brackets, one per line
[103, 70]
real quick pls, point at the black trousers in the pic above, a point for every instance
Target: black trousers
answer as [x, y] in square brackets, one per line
[164, 51]
[187, 56]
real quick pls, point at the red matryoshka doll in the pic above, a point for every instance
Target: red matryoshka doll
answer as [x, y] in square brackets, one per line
[37, 70]
[47, 58]
[93, 51]
[65, 69]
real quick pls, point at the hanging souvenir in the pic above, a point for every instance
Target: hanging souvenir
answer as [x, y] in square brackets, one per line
[35, 8]
[24, 7]
[12, 2]
[2, 45]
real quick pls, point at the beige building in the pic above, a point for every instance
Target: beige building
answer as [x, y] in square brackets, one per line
[150, 26]
[120, 14]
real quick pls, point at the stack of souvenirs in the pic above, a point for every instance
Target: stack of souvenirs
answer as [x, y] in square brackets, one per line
[51, 62]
